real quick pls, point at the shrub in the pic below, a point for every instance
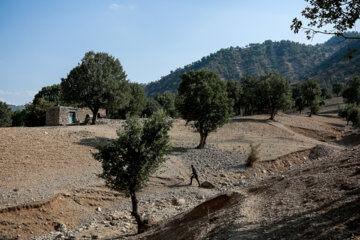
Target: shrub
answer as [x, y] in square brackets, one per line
[253, 156]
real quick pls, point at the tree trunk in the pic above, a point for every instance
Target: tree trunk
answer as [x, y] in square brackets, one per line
[310, 114]
[272, 115]
[202, 143]
[94, 111]
[135, 214]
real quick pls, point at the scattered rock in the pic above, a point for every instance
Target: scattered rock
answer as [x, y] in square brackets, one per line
[178, 202]
[98, 209]
[60, 227]
[320, 151]
[207, 185]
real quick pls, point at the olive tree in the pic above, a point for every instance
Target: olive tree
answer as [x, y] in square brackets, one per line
[351, 92]
[203, 101]
[99, 81]
[311, 95]
[275, 92]
[235, 92]
[137, 153]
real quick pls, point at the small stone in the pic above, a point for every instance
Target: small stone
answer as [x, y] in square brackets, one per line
[98, 209]
[207, 185]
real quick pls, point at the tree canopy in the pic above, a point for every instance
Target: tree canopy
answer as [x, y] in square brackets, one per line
[167, 101]
[135, 105]
[311, 94]
[99, 81]
[337, 88]
[5, 115]
[202, 100]
[235, 92]
[275, 92]
[341, 15]
[152, 106]
[129, 161]
[351, 92]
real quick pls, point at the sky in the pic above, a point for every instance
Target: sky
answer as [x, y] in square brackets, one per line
[41, 41]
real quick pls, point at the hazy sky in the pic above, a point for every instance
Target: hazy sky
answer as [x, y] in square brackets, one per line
[41, 41]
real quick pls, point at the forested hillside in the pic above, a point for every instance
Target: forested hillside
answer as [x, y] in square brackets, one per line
[293, 60]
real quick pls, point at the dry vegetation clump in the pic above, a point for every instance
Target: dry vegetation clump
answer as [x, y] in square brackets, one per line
[253, 156]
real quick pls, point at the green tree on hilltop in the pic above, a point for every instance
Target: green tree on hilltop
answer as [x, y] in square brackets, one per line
[202, 100]
[99, 81]
[138, 152]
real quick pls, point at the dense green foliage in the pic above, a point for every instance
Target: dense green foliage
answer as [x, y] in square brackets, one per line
[351, 92]
[5, 115]
[325, 93]
[135, 105]
[152, 106]
[18, 118]
[50, 94]
[34, 113]
[297, 97]
[202, 100]
[235, 92]
[341, 15]
[99, 81]
[351, 112]
[311, 95]
[295, 61]
[129, 161]
[337, 88]
[275, 93]
[167, 102]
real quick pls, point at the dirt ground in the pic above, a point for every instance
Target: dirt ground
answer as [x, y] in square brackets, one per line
[49, 186]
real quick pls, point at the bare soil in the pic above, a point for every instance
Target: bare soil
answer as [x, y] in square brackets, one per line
[49, 177]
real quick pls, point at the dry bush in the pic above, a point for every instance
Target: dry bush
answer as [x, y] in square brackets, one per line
[253, 156]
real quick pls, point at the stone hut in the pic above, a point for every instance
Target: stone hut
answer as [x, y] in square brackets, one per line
[60, 115]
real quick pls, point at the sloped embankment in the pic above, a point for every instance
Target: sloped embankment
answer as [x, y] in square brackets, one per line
[319, 200]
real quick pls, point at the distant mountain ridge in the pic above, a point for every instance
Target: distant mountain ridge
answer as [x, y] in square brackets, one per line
[16, 107]
[296, 61]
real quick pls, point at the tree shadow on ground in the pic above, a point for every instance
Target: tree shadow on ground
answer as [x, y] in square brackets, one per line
[254, 120]
[337, 125]
[176, 151]
[178, 185]
[351, 140]
[94, 142]
[338, 219]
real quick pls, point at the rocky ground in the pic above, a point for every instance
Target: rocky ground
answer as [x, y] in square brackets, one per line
[49, 188]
